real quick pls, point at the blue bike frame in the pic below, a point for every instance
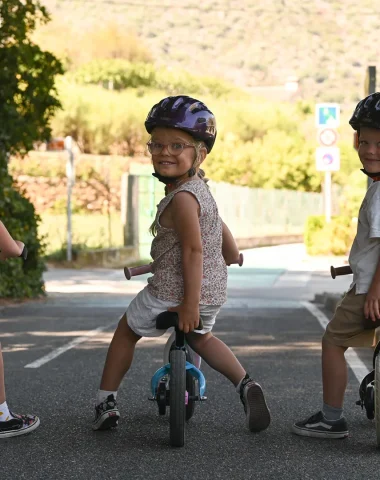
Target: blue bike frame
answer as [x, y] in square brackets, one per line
[165, 370]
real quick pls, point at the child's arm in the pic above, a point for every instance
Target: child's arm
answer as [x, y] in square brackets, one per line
[8, 247]
[372, 302]
[230, 250]
[185, 215]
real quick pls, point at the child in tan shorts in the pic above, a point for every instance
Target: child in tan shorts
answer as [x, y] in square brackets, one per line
[357, 315]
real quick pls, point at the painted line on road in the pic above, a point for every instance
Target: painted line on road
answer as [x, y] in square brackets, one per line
[293, 279]
[357, 366]
[58, 351]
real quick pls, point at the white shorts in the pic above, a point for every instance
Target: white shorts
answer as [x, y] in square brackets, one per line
[144, 308]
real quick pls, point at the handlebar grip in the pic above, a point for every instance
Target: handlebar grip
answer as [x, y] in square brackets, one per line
[335, 272]
[24, 253]
[131, 272]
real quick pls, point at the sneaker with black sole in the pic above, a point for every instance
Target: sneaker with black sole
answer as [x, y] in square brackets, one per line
[319, 427]
[18, 425]
[255, 407]
[106, 414]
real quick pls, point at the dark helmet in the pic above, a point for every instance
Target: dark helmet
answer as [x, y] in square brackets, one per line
[367, 113]
[187, 114]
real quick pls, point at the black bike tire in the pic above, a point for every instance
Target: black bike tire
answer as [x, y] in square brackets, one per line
[190, 387]
[377, 398]
[177, 387]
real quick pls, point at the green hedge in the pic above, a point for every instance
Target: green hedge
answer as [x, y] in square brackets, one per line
[334, 238]
[19, 279]
[120, 74]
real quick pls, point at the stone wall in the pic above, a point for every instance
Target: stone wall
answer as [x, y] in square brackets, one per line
[42, 176]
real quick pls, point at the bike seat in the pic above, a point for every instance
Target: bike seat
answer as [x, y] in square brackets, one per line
[168, 319]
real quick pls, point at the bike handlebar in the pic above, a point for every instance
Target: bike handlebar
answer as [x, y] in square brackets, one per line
[133, 271]
[335, 272]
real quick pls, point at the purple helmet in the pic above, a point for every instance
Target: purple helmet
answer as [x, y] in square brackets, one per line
[367, 113]
[184, 113]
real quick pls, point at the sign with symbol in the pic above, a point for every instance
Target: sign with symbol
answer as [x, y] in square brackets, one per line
[55, 145]
[327, 159]
[327, 137]
[327, 115]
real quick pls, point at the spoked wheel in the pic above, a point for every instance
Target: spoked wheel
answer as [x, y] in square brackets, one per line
[377, 398]
[191, 388]
[177, 387]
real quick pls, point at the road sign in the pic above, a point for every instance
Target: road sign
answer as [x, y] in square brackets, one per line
[327, 137]
[327, 159]
[56, 145]
[327, 115]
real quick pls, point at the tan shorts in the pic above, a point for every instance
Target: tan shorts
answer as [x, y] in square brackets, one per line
[349, 327]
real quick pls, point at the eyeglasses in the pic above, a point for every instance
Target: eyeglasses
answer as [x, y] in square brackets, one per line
[174, 148]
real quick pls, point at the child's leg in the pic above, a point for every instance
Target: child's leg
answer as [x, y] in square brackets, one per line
[119, 356]
[220, 358]
[119, 359]
[334, 379]
[11, 424]
[2, 384]
[217, 355]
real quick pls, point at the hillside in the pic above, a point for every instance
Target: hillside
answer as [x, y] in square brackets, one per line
[326, 45]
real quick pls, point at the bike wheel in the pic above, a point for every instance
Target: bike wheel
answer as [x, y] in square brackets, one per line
[377, 398]
[177, 387]
[190, 387]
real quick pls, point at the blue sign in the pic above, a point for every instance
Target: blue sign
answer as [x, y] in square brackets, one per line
[327, 115]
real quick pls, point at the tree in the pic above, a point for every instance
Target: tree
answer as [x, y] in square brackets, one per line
[27, 93]
[28, 101]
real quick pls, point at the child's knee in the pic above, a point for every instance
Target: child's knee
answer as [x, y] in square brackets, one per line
[198, 340]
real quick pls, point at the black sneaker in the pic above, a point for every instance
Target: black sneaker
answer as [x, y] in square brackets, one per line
[18, 425]
[106, 414]
[317, 426]
[255, 407]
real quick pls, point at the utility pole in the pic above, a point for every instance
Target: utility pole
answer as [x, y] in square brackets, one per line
[370, 87]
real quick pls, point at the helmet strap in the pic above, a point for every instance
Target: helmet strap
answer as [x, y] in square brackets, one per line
[174, 180]
[375, 176]
[163, 179]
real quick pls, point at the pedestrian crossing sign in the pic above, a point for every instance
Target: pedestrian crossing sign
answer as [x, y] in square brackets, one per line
[327, 115]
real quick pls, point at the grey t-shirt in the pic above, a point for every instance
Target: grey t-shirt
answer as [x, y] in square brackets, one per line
[365, 251]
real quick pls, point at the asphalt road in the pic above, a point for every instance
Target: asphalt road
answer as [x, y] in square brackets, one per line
[266, 324]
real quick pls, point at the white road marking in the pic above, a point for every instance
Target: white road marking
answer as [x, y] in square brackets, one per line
[293, 279]
[58, 351]
[357, 366]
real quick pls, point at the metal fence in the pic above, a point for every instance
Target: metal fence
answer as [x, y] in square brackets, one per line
[248, 212]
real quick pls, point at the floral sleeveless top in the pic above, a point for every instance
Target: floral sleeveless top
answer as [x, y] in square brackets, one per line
[167, 281]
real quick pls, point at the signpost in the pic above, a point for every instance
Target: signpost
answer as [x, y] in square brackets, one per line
[327, 156]
[59, 145]
[70, 173]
